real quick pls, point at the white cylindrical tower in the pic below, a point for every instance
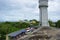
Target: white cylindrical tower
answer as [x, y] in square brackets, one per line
[43, 5]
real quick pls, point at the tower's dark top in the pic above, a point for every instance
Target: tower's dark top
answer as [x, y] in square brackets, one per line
[43, 0]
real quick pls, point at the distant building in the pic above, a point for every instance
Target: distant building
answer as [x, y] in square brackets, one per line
[16, 35]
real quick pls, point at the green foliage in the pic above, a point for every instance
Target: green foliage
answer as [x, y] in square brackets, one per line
[8, 27]
[55, 24]
[34, 22]
[58, 24]
[24, 25]
[52, 24]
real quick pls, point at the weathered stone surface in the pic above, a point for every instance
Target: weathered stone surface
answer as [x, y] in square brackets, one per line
[43, 33]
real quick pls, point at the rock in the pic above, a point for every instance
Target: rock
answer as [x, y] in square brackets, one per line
[44, 33]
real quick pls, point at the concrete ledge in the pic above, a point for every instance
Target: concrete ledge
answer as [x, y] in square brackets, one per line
[43, 6]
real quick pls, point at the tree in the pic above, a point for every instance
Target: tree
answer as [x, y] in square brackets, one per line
[58, 24]
[52, 24]
[6, 28]
[34, 22]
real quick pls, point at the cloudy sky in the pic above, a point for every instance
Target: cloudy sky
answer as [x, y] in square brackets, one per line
[15, 10]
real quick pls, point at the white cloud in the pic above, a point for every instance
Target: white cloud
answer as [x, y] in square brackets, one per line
[53, 10]
[14, 10]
